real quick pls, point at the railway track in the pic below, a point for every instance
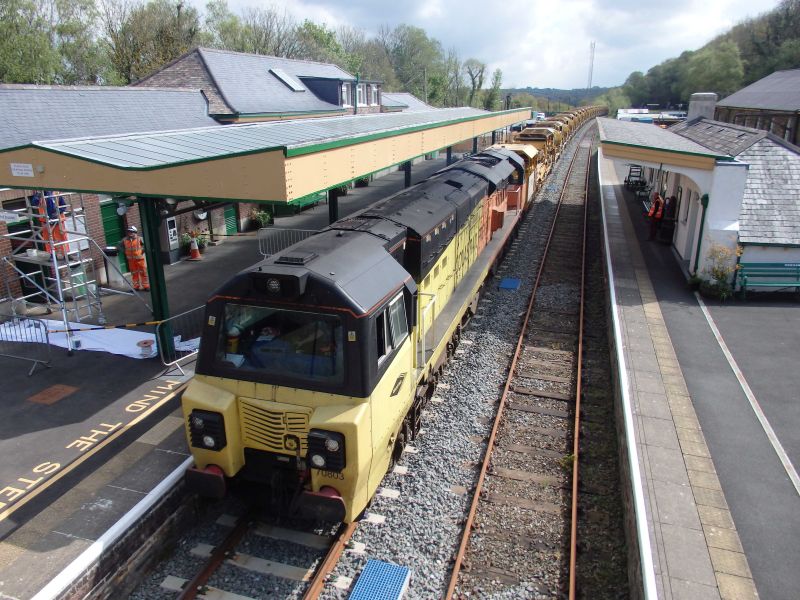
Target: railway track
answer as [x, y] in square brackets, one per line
[525, 505]
[416, 517]
[251, 556]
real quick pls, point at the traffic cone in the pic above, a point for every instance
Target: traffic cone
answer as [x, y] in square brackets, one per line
[194, 251]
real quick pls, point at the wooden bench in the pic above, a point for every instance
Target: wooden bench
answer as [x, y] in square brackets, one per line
[773, 275]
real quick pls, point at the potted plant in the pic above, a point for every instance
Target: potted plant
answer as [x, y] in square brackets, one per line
[721, 268]
[261, 218]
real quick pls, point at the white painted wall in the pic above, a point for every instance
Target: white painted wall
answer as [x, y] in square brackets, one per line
[722, 214]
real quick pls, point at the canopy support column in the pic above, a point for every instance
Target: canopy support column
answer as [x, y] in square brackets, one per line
[475, 145]
[407, 171]
[449, 155]
[151, 221]
[333, 205]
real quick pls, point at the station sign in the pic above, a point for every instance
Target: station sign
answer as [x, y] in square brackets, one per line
[10, 216]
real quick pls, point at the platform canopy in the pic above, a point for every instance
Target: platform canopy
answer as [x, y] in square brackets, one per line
[647, 143]
[272, 161]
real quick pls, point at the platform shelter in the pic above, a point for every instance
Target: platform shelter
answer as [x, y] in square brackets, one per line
[707, 186]
[254, 162]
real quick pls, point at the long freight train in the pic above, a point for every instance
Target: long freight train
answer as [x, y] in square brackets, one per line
[315, 364]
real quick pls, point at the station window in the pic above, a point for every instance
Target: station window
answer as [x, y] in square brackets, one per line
[374, 99]
[346, 100]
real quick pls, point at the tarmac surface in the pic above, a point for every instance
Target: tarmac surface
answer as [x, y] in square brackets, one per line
[75, 458]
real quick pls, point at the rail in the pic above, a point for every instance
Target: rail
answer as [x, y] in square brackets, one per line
[179, 338]
[25, 338]
[272, 240]
[473, 509]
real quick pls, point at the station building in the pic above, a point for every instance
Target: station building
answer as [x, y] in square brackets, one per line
[731, 185]
[771, 104]
[241, 87]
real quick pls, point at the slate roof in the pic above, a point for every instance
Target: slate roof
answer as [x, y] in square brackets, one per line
[646, 135]
[249, 87]
[770, 212]
[409, 101]
[160, 149]
[388, 101]
[31, 112]
[778, 91]
[724, 138]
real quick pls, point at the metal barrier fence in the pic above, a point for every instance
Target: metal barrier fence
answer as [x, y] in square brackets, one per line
[178, 337]
[272, 240]
[25, 338]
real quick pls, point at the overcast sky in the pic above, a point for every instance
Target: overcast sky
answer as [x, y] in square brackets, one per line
[543, 43]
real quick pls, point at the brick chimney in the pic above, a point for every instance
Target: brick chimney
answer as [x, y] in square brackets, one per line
[702, 105]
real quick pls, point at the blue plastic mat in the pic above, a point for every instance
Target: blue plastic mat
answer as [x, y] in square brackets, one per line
[381, 581]
[509, 283]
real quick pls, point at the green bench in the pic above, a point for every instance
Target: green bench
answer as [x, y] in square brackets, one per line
[774, 275]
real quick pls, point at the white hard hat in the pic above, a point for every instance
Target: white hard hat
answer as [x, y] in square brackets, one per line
[132, 229]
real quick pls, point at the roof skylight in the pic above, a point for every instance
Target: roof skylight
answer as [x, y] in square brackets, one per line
[291, 81]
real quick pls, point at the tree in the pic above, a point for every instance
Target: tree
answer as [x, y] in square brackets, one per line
[267, 31]
[475, 70]
[224, 28]
[73, 32]
[142, 38]
[454, 73]
[492, 97]
[714, 69]
[27, 53]
[317, 42]
[415, 58]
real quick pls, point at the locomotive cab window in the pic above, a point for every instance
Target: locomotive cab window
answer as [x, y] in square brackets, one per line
[284, 344]
[391, 328]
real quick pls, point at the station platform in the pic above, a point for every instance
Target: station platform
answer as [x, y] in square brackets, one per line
[712, 393]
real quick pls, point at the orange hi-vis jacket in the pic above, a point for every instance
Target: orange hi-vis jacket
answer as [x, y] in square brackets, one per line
[656, 208]
[134, 249]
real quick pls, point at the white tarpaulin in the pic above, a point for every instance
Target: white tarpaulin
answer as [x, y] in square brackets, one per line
[115, 341]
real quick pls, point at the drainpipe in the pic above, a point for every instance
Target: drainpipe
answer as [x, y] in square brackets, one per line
[704, 204]
[355, 98]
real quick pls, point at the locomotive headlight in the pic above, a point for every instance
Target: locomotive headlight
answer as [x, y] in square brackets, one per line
[273, 286]
[326, 450]
[207, 430]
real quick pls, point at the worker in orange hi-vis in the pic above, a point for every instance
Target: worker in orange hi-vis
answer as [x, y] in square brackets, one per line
[134, 253]
[51, 218]
[656, 213]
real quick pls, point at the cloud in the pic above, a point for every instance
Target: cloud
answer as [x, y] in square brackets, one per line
[540, 43]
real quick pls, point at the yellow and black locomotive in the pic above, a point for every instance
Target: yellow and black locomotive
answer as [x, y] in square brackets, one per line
[315, 363]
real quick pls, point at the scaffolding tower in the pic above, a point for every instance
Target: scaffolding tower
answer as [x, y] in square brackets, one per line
[54, 258]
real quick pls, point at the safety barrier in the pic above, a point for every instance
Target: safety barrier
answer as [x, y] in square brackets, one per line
[272, 240]
[179, 337]
[26, 339]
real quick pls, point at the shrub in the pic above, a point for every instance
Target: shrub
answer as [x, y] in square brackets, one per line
[722, 267]
[262, 218]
